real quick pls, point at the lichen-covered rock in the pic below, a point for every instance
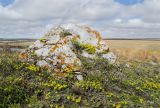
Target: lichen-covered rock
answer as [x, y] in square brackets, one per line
[58, 49]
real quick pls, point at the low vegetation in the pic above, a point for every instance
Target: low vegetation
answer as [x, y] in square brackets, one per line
[130, 84]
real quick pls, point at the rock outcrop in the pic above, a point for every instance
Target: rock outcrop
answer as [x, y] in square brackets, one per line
[58, 49]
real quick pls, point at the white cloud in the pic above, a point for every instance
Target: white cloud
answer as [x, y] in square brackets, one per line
[118, 20]
[6, 13]
[31, 18]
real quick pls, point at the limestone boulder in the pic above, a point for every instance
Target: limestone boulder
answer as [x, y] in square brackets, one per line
[59, 48]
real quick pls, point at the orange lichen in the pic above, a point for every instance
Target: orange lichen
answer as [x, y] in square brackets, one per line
[23, 55]
[97, 34]
[53, 48]
[65, 40]
[62, 60]
[70, 65]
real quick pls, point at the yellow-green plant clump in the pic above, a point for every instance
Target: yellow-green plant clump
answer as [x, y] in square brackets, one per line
[91, 49]
[104, 85]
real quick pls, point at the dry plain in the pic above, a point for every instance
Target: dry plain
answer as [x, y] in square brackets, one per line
[124, 49]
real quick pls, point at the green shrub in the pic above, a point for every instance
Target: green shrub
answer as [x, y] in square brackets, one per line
[104, 85]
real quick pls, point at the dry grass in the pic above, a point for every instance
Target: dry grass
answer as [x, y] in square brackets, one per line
[15, 43]
[136, 49]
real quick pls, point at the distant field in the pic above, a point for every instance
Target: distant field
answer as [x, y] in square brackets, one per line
[19, 44]
[125, 49]
[132, 44]
[136, 49]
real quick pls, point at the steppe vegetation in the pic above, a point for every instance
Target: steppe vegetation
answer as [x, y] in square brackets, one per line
[133, 82]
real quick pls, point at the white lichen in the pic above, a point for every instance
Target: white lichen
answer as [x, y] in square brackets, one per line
[60, 47]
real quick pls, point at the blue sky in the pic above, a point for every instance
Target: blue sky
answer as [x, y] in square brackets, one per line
[129, 2]
[113, 18]
[6, 2]
[125, 2]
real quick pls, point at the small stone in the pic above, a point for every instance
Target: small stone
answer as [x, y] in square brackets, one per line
[87, 55]
[42, 52]
[42, 63]
[79, 77]
[153, 63]
[77, 72]
[110, 57]
[38, 44]
[127, 65]
[53, 40]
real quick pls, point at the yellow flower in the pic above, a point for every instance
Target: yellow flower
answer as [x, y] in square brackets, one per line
[56, 106]
[68, 97]
[68, 70]
[110, 94]
[141, 100]
[118, 105]
[33, 68]
[78, 100]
